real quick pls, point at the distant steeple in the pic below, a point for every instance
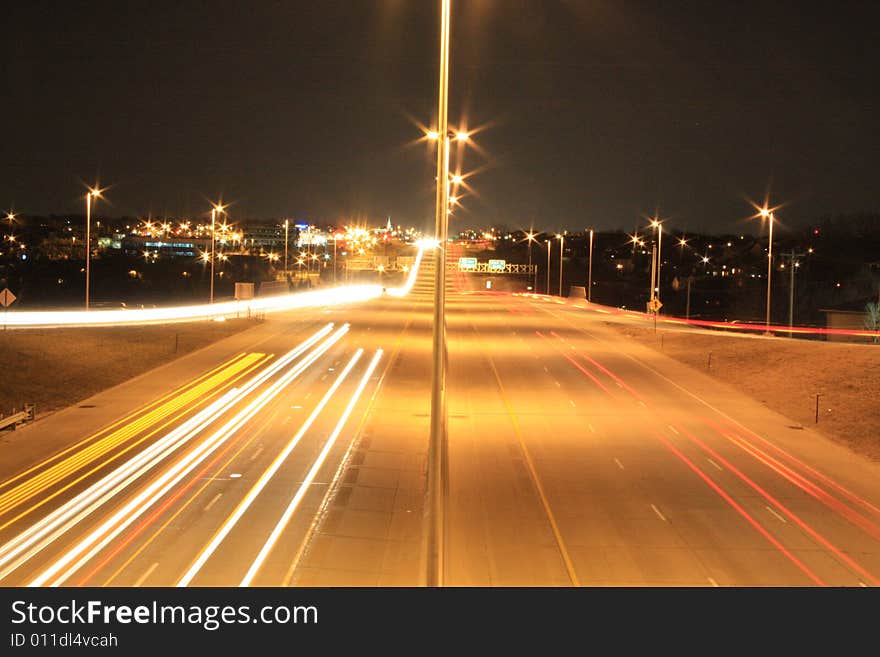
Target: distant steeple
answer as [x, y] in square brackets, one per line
[388, 225]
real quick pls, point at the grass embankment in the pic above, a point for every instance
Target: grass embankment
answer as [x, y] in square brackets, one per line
[55, 368]
[785, 375]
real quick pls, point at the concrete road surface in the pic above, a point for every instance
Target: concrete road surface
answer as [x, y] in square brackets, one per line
[294, 454]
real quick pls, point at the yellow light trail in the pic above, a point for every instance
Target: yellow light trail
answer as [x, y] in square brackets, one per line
[48, 529]
[97, 539]
[96, 450]
[125, 420]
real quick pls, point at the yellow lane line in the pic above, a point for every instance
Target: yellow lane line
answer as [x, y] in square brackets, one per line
[125, 420]
[569, 566]
[58, 471]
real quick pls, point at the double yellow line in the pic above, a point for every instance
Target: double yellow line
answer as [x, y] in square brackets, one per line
[91, 449]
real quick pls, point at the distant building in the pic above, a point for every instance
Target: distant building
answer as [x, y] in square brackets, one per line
[180, 247]
[851, 316]
[267, 237]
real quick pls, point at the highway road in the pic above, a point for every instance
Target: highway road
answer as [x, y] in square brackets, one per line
[294, 454]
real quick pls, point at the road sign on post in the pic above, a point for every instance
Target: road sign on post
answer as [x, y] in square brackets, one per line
[7, 298]
[654, 305]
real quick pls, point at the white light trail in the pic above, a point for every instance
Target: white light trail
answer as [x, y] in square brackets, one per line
[410, 279]
[111, 527]
[68, 515]
[258, 487]
[310, 477]
[228, 309]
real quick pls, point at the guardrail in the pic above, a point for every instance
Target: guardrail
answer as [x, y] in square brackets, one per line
[16, 418]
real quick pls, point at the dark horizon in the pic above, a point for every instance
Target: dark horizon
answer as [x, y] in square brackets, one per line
[589, 114]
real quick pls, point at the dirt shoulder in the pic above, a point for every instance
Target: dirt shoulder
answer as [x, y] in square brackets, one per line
[55, 368]
[786, 375]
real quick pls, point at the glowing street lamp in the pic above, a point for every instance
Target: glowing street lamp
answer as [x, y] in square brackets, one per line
[95, 193]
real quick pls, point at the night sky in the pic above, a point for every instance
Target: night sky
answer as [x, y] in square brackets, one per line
[593, 113]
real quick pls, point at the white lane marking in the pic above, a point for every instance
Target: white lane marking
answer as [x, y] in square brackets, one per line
[558, 385]
[297, 406]
[235, 475]
[618, 384]
[863, 584]
[590, 427]
[256, 454]
[619, 464]
[641, 402]
[712, 582]
[572, 403]
[545, 367]
[659, 515]
[213, 501]
[140, 580]
[307, 395]
[777, 515]
[673, 429]
[323, 377]
[720, 469]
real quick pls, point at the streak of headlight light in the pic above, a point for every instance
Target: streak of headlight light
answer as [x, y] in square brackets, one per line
[410, 279]
[310, 477]
[334, 296]
[257, 488]
[111, 528]
[101, 490]
[230, 309]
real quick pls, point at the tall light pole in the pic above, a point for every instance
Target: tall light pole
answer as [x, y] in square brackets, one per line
[438, 482]
[590, 270]
[561, 259]
[335, 239]
[767, 214]
[96, 193]
[655, 268]
[217, 209]
[286, 240]
[547, 287]
[530, 237]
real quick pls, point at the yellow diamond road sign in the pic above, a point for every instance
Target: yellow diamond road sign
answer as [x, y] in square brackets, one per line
[6, 297]
[655, 304]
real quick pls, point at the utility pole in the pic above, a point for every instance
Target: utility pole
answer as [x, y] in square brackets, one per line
[590, 271]
[792, 265]
[548, 267]
[687, 312]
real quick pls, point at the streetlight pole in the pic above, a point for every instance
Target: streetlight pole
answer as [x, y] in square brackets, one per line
[96, 193]
[561, 260]
[659, 257]
[213, 219]
[286, 240]
[548, 268]
[766, 214]
[437, 446]
[590, 271]
[334, 258]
